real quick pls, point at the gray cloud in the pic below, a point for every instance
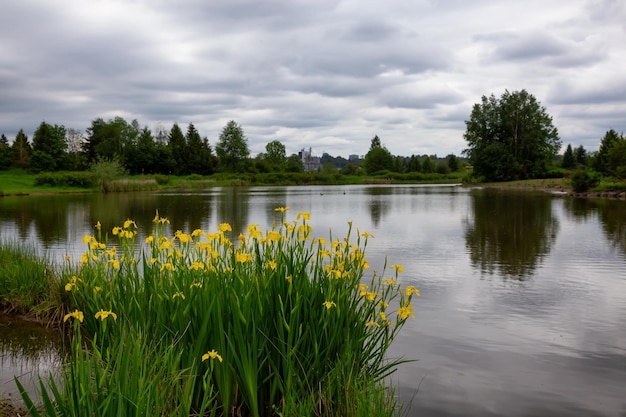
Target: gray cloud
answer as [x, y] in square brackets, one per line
[325, 74]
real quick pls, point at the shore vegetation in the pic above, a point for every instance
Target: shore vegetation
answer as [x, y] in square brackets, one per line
[276, 322]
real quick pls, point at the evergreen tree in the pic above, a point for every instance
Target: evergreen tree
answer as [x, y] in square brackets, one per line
[378, 158]
[569, 161]
[581, 155]
[232, 148]
[200, 159]
[428, 166]
[178, 148]
[601, 160]
[21, 150]
[453, 163]
[414, 164]
[6, 154]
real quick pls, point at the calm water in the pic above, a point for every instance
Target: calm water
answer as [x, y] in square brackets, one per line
[523, 307]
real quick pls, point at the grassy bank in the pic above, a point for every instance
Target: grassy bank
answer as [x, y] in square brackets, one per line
[270, 323]
[19, 182]
[29, 284]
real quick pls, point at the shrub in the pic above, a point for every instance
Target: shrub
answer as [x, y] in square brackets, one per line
[67, 179]
[161, 179]
[583, 181]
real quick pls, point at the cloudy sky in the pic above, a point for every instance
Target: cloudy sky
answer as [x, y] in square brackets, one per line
[325, 74]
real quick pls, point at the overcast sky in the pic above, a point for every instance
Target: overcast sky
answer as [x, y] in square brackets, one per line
[313, 73]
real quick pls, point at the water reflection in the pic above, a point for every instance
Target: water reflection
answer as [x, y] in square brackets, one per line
[508, 232]
[379, 203]
[27, 350]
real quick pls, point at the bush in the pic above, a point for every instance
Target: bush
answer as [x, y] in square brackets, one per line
[67, 179]
[106, 171]
[583, 181]
[161, 179]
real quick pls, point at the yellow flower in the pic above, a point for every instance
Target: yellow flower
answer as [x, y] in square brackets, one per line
[370, 296]
[211, 355]
[87, 239]
[410, 290]
[167, 266]
[149, 239]
[116, 230]
[243, 257]
[320, 240]
[304, 215]
[281, 209]
[329, 304]
[72, 284]
[273, 235]
[397, 267]
[97, 289]
[196, 284]
[272, 265]
[76, 314]
[405, 312]
[225, 227]
[367, 235]
[114, 263]
[390, 281]
[372, 323]
[104, 314]
[289, 278]
[197, 232]
[129, 223]
[98, 225]
[196, 266]
[178, 294]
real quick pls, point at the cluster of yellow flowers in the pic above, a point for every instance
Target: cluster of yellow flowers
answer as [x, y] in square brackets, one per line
[201, 254]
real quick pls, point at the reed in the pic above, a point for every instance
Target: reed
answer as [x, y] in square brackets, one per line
[29, 284]
[274, 323]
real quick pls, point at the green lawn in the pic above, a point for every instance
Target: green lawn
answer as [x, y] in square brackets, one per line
[17, 181]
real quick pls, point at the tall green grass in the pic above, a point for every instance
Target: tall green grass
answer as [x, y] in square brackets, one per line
[29, 284]
[272, 323]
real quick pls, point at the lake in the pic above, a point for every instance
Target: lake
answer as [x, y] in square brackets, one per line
[523, 307]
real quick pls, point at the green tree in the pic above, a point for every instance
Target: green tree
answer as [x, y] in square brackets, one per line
[581, 155]
[276, 155]
[569, 160]
[107, 140]
[453, 163]
[232, 148]
[601, 161]
[511, 137]
[200, 158]
[428, 166]
[294, 164]
[6, 154]
[21, 150]
[49, 148]
[414, 164]
[178, 147]
[378, 158]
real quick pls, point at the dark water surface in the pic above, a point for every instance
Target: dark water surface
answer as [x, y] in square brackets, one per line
[523, 307]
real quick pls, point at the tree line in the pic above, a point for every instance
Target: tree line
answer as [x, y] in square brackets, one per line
[182, 152]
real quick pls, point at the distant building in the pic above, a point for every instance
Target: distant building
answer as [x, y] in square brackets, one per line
[353, 157]
[310, 162]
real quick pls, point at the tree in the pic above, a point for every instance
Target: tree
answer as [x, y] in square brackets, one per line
[453, 163]
[21, 150]
[232, 148]
[378, 158]
[569, 161]
[111, 139]
[511, 137]
[6, 155]
[49, 148]
[428, 166]
[601, 161]
[294, 164]
[200, 158]
[275, 155]
[414, 164]
[178, 147]
[581, 155]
